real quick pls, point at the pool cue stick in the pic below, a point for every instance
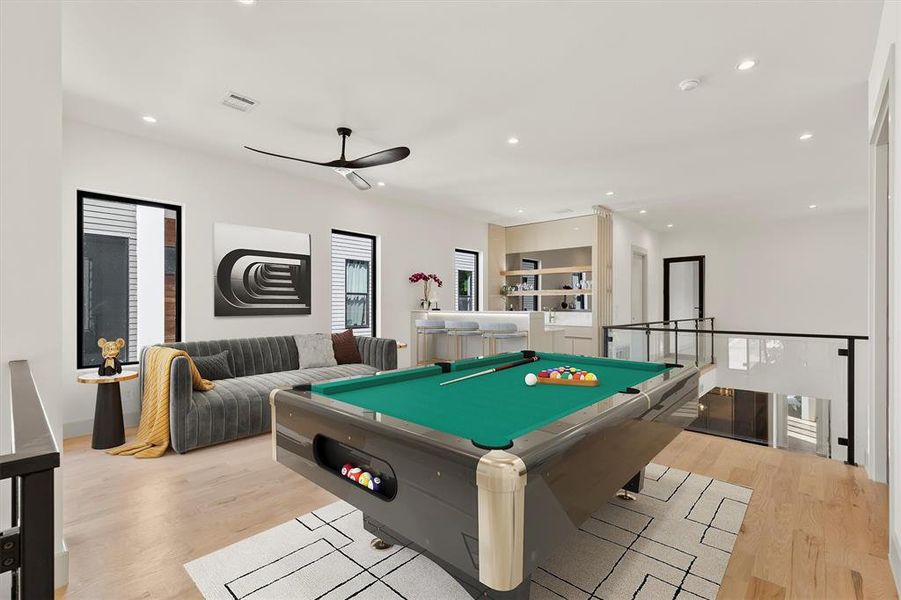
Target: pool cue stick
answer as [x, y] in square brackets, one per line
[524, 361]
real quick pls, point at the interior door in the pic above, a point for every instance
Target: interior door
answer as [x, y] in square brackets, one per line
[683, 287]
[683, 298]
[639, 302]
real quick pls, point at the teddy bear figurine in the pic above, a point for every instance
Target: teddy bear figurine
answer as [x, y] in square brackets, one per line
[110, 352]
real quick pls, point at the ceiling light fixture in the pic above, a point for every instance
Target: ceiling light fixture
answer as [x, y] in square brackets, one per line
[747, 64]
[805, 136]
[513, 141]
[687, 85]
[520, 210]
[247, 2]
[609, 194]
[642, 211]
[812, 206]
[669, 225]
[381, 184]
[149, 119]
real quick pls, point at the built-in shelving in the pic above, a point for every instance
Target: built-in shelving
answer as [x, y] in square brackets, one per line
[547, 271]
[550, 293]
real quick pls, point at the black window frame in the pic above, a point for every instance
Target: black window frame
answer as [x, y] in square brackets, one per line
[477, 286]
[81, 196]
[373, 315]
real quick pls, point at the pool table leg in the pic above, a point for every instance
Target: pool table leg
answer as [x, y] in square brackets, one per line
[634, 485]
[379, 544]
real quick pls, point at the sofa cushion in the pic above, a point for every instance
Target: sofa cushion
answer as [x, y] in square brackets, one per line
[249, 356]
[345, 347]
[314, 350]
[215, 366]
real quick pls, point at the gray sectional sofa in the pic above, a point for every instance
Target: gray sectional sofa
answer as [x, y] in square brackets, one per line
[239, 407]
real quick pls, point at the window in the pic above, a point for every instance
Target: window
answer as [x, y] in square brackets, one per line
[466, 267]
[353, 282]
[129, 275]
[531, 282]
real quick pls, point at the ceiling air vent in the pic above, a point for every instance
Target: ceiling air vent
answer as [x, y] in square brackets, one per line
[239, 102]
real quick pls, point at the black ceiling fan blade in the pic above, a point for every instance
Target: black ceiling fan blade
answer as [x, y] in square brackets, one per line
[359, 182]
[312, 162]
[382, 157]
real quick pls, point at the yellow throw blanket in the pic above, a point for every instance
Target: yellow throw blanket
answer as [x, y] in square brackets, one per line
[153, 430]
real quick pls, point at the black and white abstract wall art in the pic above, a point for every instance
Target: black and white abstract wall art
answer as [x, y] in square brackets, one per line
[260, 271]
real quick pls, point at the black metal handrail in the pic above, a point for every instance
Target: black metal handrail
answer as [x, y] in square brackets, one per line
[26, 549]
[847, 352]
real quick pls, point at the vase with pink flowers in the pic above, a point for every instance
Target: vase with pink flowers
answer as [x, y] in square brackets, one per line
[426, 279]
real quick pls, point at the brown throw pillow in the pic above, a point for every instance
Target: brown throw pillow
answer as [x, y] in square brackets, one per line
[345, 346]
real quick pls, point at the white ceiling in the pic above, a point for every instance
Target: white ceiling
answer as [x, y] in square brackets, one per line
[591, 89]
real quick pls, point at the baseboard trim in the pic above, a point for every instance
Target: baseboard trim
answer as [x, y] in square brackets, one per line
[61, 568]
[894, 559]
[86, 427]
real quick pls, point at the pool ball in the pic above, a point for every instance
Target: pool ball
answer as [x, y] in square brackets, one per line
[374, 484]
[543, 375]
[531, 379]
[573, 370]
[555, 374]
[577, 376]
[355, 473]
[591, 377]
[364, 478]
[346, 469]
[566, 375]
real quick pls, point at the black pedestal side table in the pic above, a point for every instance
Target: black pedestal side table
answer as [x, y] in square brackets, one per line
[109, 429]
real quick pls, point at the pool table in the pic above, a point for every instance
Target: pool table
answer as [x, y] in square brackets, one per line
[486, 476]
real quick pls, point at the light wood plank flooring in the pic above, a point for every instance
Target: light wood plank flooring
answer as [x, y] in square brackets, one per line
[814, 529]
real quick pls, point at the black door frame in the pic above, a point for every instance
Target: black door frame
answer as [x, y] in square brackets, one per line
[666, 263]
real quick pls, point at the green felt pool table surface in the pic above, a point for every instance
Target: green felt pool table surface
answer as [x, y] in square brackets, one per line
[494, 409]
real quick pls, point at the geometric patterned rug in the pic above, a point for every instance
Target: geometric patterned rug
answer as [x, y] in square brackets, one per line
[673, 541]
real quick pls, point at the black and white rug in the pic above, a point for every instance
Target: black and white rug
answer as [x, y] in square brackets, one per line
[673, 541]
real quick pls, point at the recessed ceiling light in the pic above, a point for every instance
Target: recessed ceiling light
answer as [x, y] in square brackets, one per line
[687, 85]
[669, 225]
[149, 119]
[575, 229]
[247, 2]
[513, 141]
[609, 194]
[642, 211]
[520, 210]
[812, 206]
[381, 184]
[805, 136]
[747, 64]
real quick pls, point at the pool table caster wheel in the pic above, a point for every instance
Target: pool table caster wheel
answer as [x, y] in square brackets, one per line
[625, 495]
[379, 544]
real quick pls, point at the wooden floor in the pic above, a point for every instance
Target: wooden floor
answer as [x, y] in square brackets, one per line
[814, 529]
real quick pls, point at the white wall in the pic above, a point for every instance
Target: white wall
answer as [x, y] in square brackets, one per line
[886, 44]
[626, 236]
[800, 275]
[30, 251]
[214, 189]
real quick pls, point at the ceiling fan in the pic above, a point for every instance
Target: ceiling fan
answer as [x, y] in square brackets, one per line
[347, 168]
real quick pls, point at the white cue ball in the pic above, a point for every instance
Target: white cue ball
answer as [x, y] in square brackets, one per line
[531, 379]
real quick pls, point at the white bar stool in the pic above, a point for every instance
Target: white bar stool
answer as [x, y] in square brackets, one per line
[492, 332]
[460, 331]
[424, 329]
